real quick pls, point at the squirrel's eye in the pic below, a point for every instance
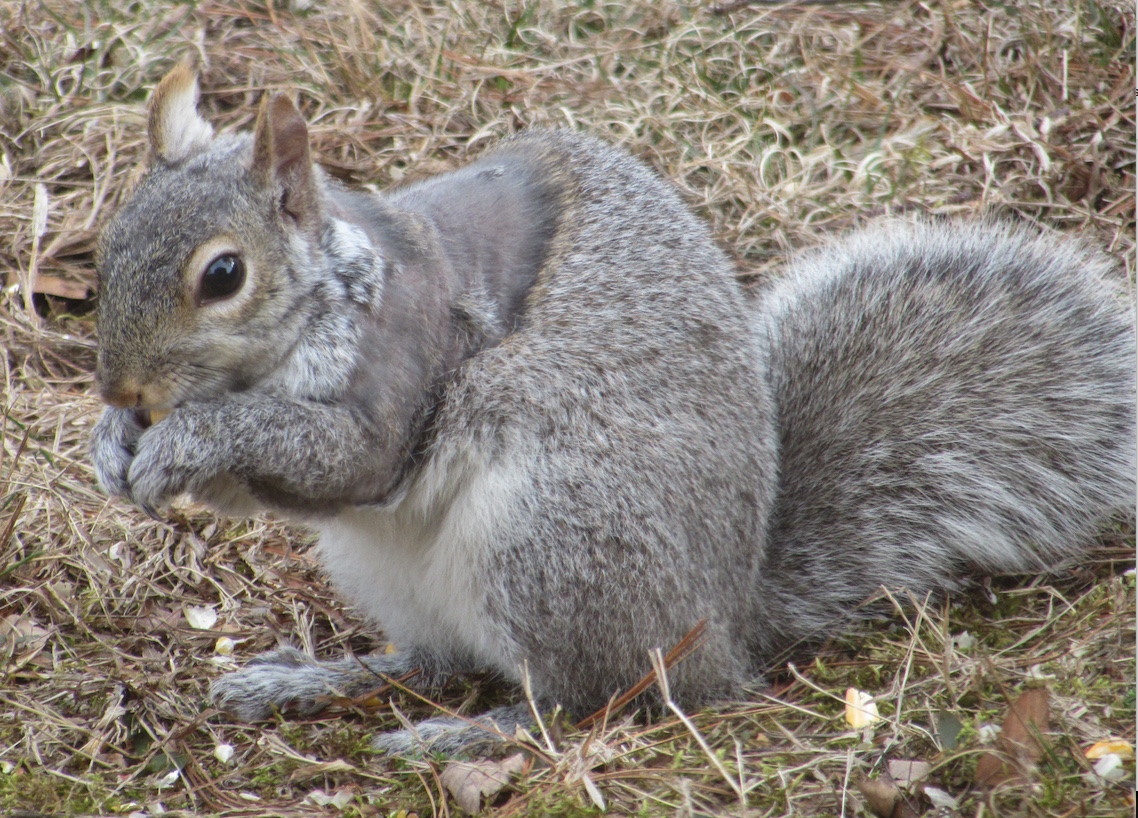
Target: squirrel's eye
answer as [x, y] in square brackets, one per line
[221, 279]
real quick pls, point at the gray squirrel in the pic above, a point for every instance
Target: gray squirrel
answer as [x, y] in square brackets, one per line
[542, 430]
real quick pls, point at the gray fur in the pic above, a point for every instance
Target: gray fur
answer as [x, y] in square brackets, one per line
[452, 736]
[973, 387]
[286, 680]
[538, 424]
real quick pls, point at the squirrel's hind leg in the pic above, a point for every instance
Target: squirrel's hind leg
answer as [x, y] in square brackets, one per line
[456, 736]
[287, 680]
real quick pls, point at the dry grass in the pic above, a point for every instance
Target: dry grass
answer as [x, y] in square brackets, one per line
[779, 124]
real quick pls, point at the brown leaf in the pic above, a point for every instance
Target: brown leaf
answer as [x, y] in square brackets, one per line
[21, 635]
[1017, 749]
[881, 795]
[884, 798]
[991, 770]
[470, 781]
[908, 771]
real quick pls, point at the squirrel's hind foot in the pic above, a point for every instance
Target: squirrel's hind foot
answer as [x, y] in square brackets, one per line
[286, 680]
[455, 736]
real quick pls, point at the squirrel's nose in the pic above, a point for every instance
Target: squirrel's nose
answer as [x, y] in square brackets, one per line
[123, 394]
[123, 399]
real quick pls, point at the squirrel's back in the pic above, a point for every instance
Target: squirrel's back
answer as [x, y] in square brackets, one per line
[950, 398]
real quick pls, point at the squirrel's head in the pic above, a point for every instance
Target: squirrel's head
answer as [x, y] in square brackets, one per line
[201, 273]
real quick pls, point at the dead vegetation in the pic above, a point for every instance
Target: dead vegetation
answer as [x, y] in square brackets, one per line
[779, 124]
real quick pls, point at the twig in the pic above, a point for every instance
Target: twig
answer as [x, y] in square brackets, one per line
[681, 651]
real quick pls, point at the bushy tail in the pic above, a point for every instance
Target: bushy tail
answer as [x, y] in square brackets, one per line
[950, 399]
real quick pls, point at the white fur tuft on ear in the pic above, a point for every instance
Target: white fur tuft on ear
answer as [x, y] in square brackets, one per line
[176, 130]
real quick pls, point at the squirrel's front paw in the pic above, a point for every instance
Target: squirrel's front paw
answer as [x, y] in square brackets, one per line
[113, 443]
[170, 460]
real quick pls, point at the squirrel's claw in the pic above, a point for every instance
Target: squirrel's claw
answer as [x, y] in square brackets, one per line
[151, 512]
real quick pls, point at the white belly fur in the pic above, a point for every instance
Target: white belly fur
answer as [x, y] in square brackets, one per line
[416, 568]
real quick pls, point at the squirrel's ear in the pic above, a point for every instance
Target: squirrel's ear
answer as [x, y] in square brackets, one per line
[280, 157]
[176, 130]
